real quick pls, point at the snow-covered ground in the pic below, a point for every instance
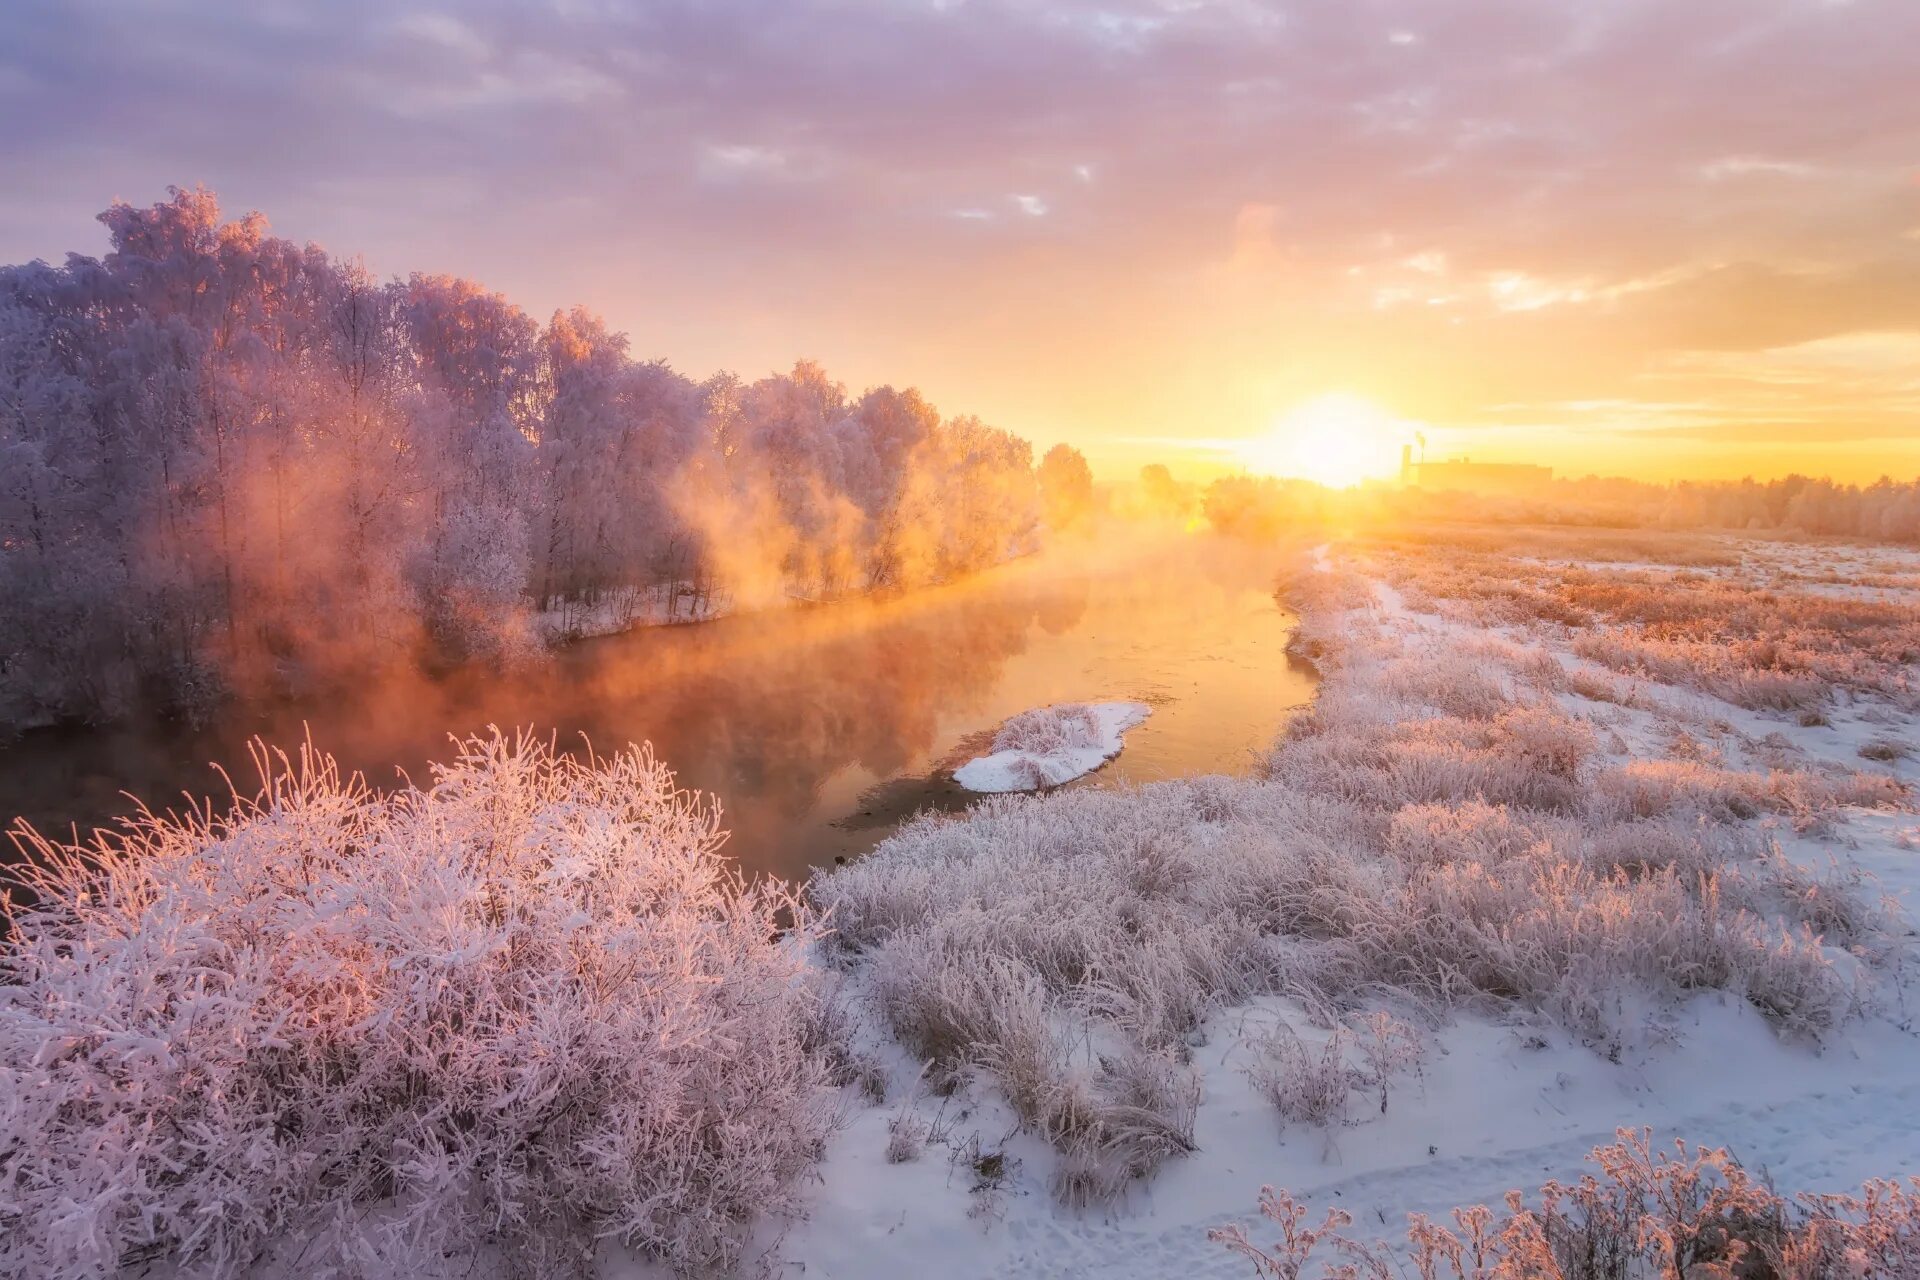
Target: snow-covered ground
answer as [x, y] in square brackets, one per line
[655, 606]
[1485, 1094]
[1499, 893]
[1495, 1107]
[1051, 745]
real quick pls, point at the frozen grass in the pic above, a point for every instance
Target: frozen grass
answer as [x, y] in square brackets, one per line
[1739, 623]
[1304, 1085]
[1441, 831]
[527, 1008]
[1645, 1213]
[1047, 746]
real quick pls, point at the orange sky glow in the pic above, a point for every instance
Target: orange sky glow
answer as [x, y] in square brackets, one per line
[1624, 237]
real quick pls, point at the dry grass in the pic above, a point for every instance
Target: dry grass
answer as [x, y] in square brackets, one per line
[1644, 1213]
[1439, 830]
[1747, 633]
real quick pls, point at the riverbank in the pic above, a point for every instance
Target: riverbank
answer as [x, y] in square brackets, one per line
[819, 728]
[1487, 902]
[1495, 894]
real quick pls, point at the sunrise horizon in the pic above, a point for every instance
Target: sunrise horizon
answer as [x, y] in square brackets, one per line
[1650, 442]
[959, 639]
[1511, 226]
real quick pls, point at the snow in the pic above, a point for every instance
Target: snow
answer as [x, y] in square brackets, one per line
[1502, 1101]
[628, 610]
[1506, 1095]
[1051, 745]
[1496, 1107]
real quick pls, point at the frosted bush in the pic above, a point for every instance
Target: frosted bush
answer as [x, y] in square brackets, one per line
[1885, 750]
[526, 1005]
[959, 1009]
[1833, 902]
[1304, 1084]
[906, 1136]
[1471, 830]
[1389, 1047]
[1645, 1212]
[1047, 746]
[1048, 730]
[1137, 1111]
[1457, 684]
[1641, 789]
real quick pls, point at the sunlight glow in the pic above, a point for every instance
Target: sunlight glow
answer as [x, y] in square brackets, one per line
[1337, 440]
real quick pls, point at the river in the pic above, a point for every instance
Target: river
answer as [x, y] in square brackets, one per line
[819, 728]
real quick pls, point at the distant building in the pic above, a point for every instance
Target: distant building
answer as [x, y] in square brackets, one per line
[1463, 475]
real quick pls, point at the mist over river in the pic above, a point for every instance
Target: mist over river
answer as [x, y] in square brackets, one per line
[819, 728]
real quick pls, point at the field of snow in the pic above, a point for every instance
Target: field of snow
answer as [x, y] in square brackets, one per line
[1051, 745]
[1508, 1031]
[1578, 837]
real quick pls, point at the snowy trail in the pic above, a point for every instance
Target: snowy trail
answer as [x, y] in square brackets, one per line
[1873, 1127]
[1502, 1114]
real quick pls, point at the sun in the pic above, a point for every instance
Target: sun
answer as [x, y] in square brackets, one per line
[1337, 440]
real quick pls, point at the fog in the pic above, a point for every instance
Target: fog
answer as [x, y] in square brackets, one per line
[232, 465]
[819, 728]
[252, 492]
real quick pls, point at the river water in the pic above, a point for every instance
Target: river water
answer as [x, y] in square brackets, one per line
[820, 729]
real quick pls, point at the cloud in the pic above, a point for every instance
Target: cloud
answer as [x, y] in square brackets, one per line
[446, 32]
[1588, 188]
[1747, 166]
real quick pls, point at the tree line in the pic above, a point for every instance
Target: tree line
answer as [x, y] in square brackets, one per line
[228, 460]
[1261, 507]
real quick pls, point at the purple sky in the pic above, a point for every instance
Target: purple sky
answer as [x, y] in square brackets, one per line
[1680, 235]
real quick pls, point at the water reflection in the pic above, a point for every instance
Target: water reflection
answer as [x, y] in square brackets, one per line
[818, 728]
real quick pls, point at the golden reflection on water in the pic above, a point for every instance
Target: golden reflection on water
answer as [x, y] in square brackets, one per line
[818, 728]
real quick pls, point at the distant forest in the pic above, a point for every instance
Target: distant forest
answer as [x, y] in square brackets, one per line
[1261, 507]
[228, 460]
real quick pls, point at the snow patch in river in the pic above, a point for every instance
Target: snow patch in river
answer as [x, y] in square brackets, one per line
[1051, 745]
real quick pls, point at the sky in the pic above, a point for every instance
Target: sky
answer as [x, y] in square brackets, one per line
[1658, 238]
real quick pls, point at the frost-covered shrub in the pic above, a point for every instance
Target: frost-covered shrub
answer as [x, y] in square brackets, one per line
[958, 1007]
[1638, 848]
[906, 1136]
[1832, 902]
[1449, 681]
[1069, 726]
[1643, 789]
[1137, 1111]
[1885, 750]
[1304, 1084]
[1644, 1213]
[1389, 1047]
[1421, 834]
[1648, 789]
[526, 1004]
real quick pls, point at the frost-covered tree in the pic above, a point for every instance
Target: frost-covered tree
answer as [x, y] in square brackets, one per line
[1066, 487]
[234, 461]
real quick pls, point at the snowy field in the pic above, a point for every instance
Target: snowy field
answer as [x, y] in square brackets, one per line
[1051, 745]
[1534, 897]
[1576, 838]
